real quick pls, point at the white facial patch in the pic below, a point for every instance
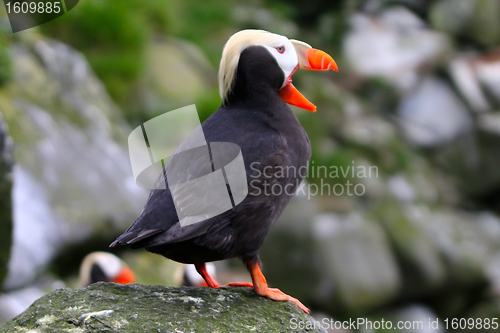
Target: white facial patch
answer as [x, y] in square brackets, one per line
[110, 265]
[287, 60]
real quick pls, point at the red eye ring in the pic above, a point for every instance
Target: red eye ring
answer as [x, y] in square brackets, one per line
[280, 49]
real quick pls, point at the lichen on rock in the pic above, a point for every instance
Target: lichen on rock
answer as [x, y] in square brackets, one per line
[109, 307]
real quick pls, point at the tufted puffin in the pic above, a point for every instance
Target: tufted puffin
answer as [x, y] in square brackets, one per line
[104, 266]
[255, 85]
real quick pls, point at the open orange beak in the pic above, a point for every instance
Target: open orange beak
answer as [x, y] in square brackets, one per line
[310, 59]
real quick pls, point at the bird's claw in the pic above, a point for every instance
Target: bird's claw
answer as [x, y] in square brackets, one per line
[278, 295]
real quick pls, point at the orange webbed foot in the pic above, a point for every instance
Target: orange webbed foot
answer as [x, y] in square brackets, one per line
[278, 295]
[259, 284]
[262, 289]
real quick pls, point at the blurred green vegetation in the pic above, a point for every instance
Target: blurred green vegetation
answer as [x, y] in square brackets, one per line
[5, 60]
[114, 34]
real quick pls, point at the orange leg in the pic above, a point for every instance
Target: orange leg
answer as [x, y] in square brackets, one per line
[202, 269]
[262, 289]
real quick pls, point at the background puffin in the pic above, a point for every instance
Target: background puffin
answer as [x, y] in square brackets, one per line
[106, 267]
[255, 85]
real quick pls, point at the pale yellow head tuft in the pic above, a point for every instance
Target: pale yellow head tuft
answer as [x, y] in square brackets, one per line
[231, 55]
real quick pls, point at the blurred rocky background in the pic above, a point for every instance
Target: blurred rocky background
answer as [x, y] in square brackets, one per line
[416, 100]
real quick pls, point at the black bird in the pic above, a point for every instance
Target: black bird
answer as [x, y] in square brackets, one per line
[255, 85]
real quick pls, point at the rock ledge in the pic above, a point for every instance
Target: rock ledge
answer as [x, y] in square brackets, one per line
[109, 307]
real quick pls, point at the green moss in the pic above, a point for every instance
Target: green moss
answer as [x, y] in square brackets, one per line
[154, 308]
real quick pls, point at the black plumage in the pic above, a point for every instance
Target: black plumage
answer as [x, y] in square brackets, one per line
[97, 274]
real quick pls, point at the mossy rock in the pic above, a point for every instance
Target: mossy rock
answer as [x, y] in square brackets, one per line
[109, 307]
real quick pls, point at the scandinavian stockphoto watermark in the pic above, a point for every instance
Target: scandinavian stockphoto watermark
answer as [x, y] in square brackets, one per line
[366, 324]
[25, 14]
[362, 324]
[330, 180]
[205, 179]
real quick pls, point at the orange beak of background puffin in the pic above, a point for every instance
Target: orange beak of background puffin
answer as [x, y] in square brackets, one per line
[126, 276]
[310, 59]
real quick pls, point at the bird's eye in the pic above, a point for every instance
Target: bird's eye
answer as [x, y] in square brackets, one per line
[280, 49]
